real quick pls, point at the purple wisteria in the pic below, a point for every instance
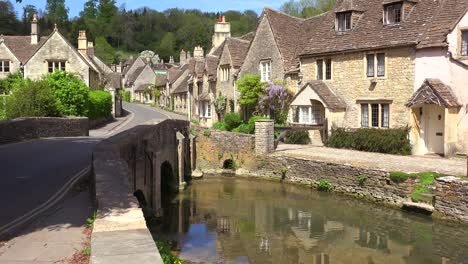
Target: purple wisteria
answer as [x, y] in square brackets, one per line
[276, 101]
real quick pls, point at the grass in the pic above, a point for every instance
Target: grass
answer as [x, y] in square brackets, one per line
[90, 221]
[167, 256]
[422, 188]
[324, 185]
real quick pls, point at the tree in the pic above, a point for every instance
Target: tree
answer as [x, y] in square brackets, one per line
[8, 19]
[104, 50]
[307, 8]
[167, 46]
[105, 12]
[275, 102]
[28, 13]
[251, 89]
[57, 12]
[89, 10]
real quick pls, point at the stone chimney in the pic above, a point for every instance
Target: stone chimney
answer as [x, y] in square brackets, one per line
[222, 31]
[90, 50]
[198, 52]
[189, 56]
[183, 57]
[82, 42]
[34, 30]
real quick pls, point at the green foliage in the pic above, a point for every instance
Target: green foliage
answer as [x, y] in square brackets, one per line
[56, 12]
[100, 104]
[32, 99]
[220, 104]
[71, 93]
[243, 128]
[307, 8]
[9, 83]
[166, 254]
[207, 133]
[425, 181]
[90, 221]
[252, 123]
[196, 122]
[220, 126]
[87, 251]
[324, 186]
[127, 96]
[232, 120]
[251, 89]
[104, 51]
[390, 141]
[300, 137]
[3, 104]
[362, 179]
[230, 164]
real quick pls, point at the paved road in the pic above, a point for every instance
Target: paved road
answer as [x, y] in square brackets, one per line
[33, 171]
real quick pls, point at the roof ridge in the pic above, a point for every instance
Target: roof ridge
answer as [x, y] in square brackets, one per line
[283, 13]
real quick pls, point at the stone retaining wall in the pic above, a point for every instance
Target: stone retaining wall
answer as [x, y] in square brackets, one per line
[452, 198]
[42, 127]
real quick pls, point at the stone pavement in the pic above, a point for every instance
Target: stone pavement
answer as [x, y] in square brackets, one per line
[53, 238]
[454, 166]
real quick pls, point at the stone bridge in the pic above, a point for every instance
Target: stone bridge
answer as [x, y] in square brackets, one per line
[137, 169]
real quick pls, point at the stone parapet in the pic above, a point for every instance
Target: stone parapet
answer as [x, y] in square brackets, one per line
[264, 137]
[452, 198]
[42, 127]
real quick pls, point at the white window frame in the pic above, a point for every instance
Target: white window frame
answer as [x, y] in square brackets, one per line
[344, 21]
[205, 109]
[3, 67]
[225, 71]
[54, 65]
[389, 7]
[375, 73]
[382, 115]
[313, 114]
[265, 70]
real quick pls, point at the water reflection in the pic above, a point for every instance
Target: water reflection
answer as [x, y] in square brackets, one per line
[223, 220]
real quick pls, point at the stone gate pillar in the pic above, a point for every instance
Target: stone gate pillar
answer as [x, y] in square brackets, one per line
[180, 160]
[264, 137]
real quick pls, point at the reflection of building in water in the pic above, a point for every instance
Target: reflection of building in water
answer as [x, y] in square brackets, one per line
[372, 240]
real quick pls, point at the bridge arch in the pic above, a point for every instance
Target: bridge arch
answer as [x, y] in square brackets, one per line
[169, 181]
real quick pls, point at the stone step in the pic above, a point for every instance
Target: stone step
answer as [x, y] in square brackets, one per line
[423, 208]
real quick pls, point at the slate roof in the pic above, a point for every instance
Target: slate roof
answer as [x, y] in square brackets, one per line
[349, 5]
[434, 91]
[175, 72]
[238, 49]
[114, 80]
[162, 79]
[21, 46]
[331, 100]
[132, 78]
[143, 87]
[212, 67]
[249, 36]
[428, 22]
[287, 31]
[183, 86]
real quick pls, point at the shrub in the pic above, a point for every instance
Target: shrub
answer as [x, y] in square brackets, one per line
[324, 185]
[219, 126]
[232, 120]
[127, 96]
[32, 99]
[166, 253]
[3, 104]
[100, 104]
[244, 128]
[10, 82]
[70, 92]
[300, 137]
[251, 123]
[207, 133]
[390, 141]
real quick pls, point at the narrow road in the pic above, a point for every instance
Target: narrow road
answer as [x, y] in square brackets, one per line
[33, 171]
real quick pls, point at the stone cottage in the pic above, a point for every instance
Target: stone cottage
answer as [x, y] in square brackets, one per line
[141, 83]
[439, 105]
[358, 62]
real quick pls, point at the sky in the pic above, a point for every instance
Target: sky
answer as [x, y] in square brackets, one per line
[160, 5]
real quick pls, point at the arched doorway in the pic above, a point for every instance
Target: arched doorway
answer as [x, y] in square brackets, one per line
[169, 182]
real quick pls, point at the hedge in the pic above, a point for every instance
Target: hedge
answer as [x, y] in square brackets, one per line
[300, 137]
[389, 141]
[3, 102]
[232, 120]
[100, 104]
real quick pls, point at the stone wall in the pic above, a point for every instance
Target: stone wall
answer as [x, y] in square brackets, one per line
[350, 82]
[42, 127]
[123, 164]
[452, 198]
[214, 147]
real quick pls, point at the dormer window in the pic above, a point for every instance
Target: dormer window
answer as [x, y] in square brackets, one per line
[343, 21]
[393, 13]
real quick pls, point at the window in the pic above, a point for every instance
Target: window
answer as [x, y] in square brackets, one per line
[392, 13]
[328, 69]
[265, 71]
[205, 109]
[311, 115]
[4, 66]
[378, 117]
[343, 21]
[464, 43]
[55, 65]
[225, 73]
[375, 61]
[319, 69]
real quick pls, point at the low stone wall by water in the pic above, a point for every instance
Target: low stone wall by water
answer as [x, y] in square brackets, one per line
[452, 198]
[42, 127]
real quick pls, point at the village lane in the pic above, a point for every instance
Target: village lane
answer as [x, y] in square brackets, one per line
[34, 171]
